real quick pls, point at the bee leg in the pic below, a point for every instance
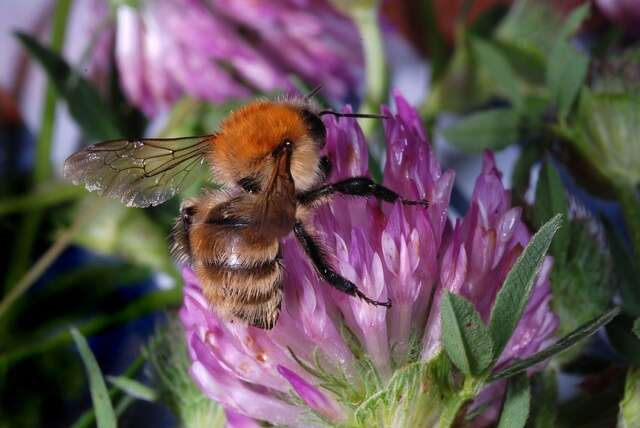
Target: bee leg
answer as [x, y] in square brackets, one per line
[181, 246]
[325, 167]
[318, 258]
[357, 186]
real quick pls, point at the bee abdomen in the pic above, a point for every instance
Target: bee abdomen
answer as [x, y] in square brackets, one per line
[250, 292]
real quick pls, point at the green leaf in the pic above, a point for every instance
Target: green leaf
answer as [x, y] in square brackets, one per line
[566, 72]
[551, 199]
[606, 133]
[127, 233]
[133, 388]
[97, 118]
[489, 129]
[531, 24]
[629, 416]
[534, 106]
[516, 405]
[636, 328]
[498, 69]
[87, 419]
[466, 338]
[574, 20]
[567, 68]
[566, 342]
[514, 294]
[105, 415]
[583, 279]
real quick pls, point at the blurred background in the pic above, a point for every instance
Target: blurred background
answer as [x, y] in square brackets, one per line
[551, 86]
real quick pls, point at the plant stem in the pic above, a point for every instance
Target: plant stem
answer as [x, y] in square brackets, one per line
[376, 73]
[88, 417]
[42, 166]
[42, 197]
[48, 258]
[454, 408]
[145, 305]
[629, 200]
[30, 223]
[21, 251]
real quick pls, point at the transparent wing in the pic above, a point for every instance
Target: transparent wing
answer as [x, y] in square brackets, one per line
[142, 172]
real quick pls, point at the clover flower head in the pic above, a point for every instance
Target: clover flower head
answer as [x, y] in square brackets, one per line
[331, 357]
[216, 50]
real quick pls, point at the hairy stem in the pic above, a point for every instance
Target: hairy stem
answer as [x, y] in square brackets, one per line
[456, 407]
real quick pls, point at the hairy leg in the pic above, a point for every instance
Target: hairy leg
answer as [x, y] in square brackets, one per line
[315, 253]
[356, 186]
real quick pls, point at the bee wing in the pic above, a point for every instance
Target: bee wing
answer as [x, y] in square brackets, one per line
[142, 172]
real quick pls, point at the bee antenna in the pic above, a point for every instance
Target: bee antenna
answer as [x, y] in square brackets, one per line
[362, 115]
[313, 92]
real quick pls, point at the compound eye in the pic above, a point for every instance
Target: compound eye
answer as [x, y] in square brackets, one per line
[315, 126]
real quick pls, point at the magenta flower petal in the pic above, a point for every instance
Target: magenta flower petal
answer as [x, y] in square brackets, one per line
[311, 395]
[238, 420]
[217, 51]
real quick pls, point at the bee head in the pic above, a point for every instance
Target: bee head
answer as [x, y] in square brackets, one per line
[251, 140]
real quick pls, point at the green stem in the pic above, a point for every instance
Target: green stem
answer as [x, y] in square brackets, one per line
[453, 411]
[434, 39]
[629, 199]
[42, 197]
[48, 257]
[42, 167]
[145, 305]
[30, 223]
[376, 72]
[88, 417]
[123, 405]
[21, 251]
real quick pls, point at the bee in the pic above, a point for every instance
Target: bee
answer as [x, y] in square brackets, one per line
[267, 157]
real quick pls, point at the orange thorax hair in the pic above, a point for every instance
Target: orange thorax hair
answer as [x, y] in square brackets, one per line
[249, 135]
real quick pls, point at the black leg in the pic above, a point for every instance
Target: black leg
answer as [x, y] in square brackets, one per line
[325, 167]
[315, 253]
[357, 186]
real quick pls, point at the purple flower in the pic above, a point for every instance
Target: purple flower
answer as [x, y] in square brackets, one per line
[330, 355]
[216, 50]
[624, 12]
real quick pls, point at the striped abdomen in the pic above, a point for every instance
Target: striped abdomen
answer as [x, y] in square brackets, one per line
[241, 280]
[235, 258]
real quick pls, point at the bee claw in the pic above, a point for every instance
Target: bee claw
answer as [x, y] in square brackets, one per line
[370, 301]
[422, 202]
